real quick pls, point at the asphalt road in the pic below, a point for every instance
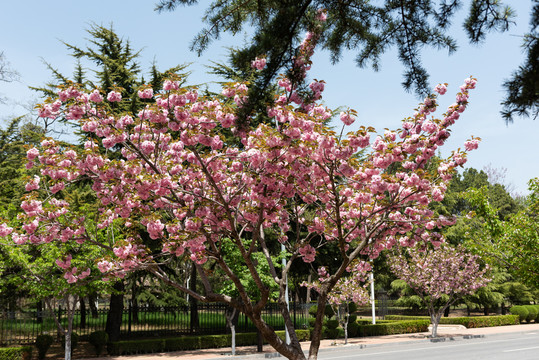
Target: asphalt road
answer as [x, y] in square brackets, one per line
[523, 346]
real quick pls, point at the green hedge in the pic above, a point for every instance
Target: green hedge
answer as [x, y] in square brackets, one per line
[467, 321]
[16, 353]
[189, 343]
[526, 313]
[394, 327]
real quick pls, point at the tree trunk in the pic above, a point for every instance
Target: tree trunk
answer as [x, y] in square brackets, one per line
[67, 349]
[39, 310]
[114, 316]
[316, 336]
[486, 310]
[82, 313]
[193, 303]
[435, 317]
[134, 301]
[92, 299]
[233, 331]
[232, 315]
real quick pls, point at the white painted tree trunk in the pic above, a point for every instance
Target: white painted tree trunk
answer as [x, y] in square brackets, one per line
[233, 331]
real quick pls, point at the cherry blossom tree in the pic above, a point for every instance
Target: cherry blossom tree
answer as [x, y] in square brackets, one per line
[349, 289]
[439, 276]
[179, 189]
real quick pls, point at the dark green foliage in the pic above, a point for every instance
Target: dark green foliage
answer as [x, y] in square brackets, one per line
[328, 311]
[336, 333]
[353, 328]
[467, 321]
[116, 68]
[16, 353]
[332, 324]
[368, 28]
[532, 313]
[394, 327]
[522, 89]
[43, 343]
[98, 339]
[189, 343]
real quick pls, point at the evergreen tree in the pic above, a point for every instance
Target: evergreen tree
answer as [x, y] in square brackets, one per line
[369, 28]
[522, 89]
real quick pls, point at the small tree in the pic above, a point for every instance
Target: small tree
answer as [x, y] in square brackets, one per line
[349, 289]
[439, 276]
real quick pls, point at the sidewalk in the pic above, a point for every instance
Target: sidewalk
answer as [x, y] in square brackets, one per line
[446, 333]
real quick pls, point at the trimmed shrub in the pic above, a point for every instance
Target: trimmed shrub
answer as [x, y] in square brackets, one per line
[313, 310]
[352, 307]
[537, 318]
[532, 313]
[332, 324]
[353, 328]
[311, 321]
[329, 312]
[333, 333]
[131, 347]
[43, 343]
[394, 327]
[16, 353]
[363, 321]
[467, 321]
[99, 340]
[521, 311]
[352, 319]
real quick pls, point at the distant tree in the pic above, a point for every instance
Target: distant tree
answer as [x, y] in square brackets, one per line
[348, 290]
[113, 65]
[512, 242]
[7, 73]
[439, 277]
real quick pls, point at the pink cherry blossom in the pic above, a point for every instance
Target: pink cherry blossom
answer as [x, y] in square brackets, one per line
[95, 96]
[346, 118]
[308, 253]
[258, 63]
[114, 96]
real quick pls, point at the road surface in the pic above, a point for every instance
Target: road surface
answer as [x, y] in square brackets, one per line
[523, 346]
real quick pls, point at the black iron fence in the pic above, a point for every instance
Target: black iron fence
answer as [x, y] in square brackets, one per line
[22, 327]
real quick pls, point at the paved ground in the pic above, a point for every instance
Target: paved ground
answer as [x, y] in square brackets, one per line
[447, 333]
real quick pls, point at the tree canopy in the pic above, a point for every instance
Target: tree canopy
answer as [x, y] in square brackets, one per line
[177, 189]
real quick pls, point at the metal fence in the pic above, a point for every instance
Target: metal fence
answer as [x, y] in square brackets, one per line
[22, 327]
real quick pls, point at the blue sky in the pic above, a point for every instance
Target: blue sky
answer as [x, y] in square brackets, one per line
[33, 30]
